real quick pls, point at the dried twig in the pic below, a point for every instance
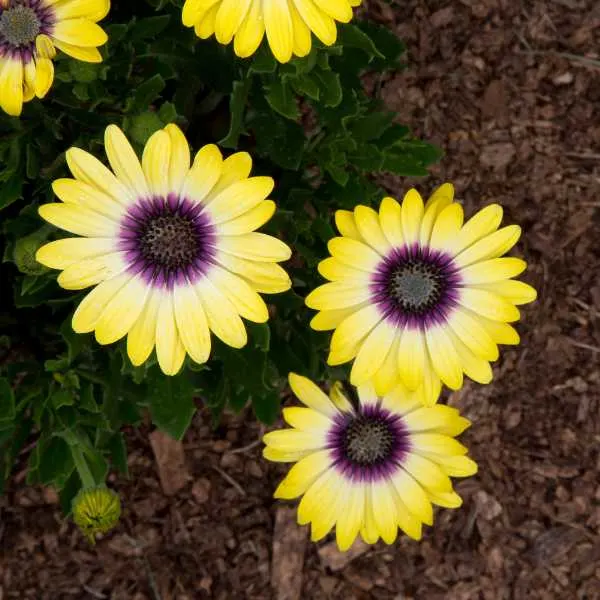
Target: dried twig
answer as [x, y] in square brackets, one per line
[147, 567]
[583, 345]
[230, 480]
[584, 155]
[250, 446]
[584, 60]
[94, 593]
[581, 528]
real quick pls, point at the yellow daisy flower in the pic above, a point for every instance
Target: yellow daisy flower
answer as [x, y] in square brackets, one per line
[171, 248]
[417, 296]
[287, 23]
[30, 32]
[368, 466]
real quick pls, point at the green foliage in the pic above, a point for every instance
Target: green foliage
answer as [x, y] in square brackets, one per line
[308, 123]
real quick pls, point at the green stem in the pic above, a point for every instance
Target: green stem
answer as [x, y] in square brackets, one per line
[82, 468]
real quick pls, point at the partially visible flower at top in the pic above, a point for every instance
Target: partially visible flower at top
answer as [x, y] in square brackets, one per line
[30, 32]
[416, 295]
[96, 511]
[287, 23]
[169, 245]
[369, 466]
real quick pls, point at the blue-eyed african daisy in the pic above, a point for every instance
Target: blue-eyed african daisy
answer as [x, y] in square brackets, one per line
[370, 465]
[288, 24]
[30, 33]
[416, 295]
[170, 247]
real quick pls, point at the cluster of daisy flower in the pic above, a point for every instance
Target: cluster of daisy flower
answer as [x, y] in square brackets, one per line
[416, 297]
[30, 33]
[32, 30]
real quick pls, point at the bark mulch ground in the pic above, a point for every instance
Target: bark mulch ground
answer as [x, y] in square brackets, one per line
[511, 90]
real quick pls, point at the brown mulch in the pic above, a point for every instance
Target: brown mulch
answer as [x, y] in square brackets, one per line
[510, 90]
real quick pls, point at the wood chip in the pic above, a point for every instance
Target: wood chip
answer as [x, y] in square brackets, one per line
[170, 461]
[498, 155]
[442, 17]
[487, 506]
[335, 560]
[289, 545]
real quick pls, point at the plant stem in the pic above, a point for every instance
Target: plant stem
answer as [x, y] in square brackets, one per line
[82, 468]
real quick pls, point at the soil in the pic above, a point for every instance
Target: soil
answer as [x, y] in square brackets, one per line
[511, 90]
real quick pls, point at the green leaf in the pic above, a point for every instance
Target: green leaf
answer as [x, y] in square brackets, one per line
[146, 93]
[237, 106]
[261, 335]
[148, 27]
[167, 113]
[55, 462]
[305, 85]
[142, 126]
[87, 401]
[116, 32]
[19, 434]
[7, 401]
[83, 72]
[273, 134]
[350, 36]
[282, 100]
[75, 342]
[263, 61]
[118, 453]
[307, 63]
[392, 136]
[68, 492]
[387, 43]
[67, 417]
[97, 463]
[368, 158]
[372, 126]
[80, 91]
[62, 398]
[32, 159]
[11, 190]
[331, 88]
[411, 158]
[266, 406]
[52, 365]
[323, 229]
[237, 399]
[25, 250]
[172, 403]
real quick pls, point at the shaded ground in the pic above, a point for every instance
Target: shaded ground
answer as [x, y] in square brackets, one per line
[520, 124]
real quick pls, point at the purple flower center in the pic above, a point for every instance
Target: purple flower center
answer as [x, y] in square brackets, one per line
[20, 24]
[368, 440]
[369, 444]
[416, 287]
[168, 240]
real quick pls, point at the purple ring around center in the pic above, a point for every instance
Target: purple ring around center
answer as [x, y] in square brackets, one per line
[392, 311]
[47, 18]
[380, 470]
[144, 212]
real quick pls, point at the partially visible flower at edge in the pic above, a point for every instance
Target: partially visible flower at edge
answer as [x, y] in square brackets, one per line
[30, 33]
[287, 23]
[370, 467]
[96, 510]
[169, 245]
[416, 295]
